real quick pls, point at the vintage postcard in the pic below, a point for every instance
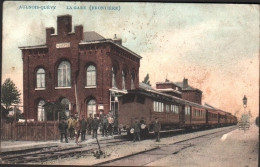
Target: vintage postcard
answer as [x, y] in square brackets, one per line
[130, 84]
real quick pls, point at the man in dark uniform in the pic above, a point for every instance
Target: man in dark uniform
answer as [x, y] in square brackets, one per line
[157, 128]
[89, 123]
[137, 128]
[142, 132]
[95, 124]
[116, 129]
[104, 125]
[63, 126]
[83, 124]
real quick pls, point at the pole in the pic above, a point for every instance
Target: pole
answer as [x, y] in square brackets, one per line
[77, 103]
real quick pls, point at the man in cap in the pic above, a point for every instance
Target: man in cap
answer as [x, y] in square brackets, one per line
[137, 128]
[63, 130]
[89, 123]
[157, 128]
[71, 122]
[83, 125]
[95, 124]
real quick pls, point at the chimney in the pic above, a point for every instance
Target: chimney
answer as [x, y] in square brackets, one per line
[117, 40]
[64, 24]
[185, 83]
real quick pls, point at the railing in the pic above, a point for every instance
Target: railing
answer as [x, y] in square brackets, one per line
[29, 131]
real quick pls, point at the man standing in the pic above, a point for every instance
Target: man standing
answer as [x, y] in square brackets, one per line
[137, 129]
[77, 129]
[83, 124]
[89, 123]
[157, 128]
[71, 122]
[95, 124]
[110, 124]
[63, 130]
[104, 124]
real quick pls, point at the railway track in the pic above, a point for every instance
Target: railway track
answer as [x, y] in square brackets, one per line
[145, 157]
[60, 152]
[57, 152]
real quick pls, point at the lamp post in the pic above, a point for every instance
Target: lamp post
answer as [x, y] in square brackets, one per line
[244, 103]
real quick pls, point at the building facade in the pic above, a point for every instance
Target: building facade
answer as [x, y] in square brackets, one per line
[83, 70]
[180, 89]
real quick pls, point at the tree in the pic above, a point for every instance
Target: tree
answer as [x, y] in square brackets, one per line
[10, 95]
[146, 80]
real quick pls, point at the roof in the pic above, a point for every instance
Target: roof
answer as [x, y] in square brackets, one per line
[168, 83]
[92, 36]
[34, 47]
[180, 84]
[169, 90]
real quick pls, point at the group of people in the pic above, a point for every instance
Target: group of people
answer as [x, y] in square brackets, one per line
[108, 124]
[138, 129]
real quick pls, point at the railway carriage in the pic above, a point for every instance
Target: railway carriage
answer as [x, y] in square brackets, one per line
[173, 112]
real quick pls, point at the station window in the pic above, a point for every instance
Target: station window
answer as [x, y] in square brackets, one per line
[40, 77]
[64, 79]
[91, 75]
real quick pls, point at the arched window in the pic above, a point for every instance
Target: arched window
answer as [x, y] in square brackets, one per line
[66, 103]
[40, 78]
[132, 81]
[113, 77]
[123, 80]
[91, 75]
[64, 74]
[40, 110]
[92, 107]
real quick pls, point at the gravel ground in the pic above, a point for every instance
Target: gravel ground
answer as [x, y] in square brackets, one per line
[133, 147]
[234, 149]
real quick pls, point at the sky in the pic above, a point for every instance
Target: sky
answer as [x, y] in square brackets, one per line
[214, 46]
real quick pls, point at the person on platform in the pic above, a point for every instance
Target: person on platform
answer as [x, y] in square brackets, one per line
[71, 124]
[143, 128]
[157, 128]
[137, 128]
[117, 130]
[95, 124]
[89, 123]
[83, 125]
[104, 125]
[110, 124]
[77, 129]
[63, 126]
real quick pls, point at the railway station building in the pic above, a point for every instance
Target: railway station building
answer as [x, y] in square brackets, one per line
[83, 70]
[180, 89]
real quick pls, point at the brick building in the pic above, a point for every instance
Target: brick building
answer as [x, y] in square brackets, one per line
[82, 70]
[180, 89]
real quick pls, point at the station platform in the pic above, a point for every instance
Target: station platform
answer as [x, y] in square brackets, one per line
[14, 146]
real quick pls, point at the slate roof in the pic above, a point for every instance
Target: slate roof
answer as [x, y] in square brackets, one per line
[92, 36]
[180, 84]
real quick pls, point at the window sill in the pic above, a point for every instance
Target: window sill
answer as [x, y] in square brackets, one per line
[89, 87]
[40, 89]
[63, 87]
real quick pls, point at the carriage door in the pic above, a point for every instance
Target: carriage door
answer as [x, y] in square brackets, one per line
[182, 115]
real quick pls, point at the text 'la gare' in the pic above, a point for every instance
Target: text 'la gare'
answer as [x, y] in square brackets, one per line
[76, 7]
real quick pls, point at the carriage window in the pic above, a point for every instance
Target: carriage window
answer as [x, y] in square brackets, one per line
[128, 98]
[167, 107]
[140, 99]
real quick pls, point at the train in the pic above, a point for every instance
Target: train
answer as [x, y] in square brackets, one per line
[173, 112]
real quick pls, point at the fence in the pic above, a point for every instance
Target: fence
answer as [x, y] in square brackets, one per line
[30, 131]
